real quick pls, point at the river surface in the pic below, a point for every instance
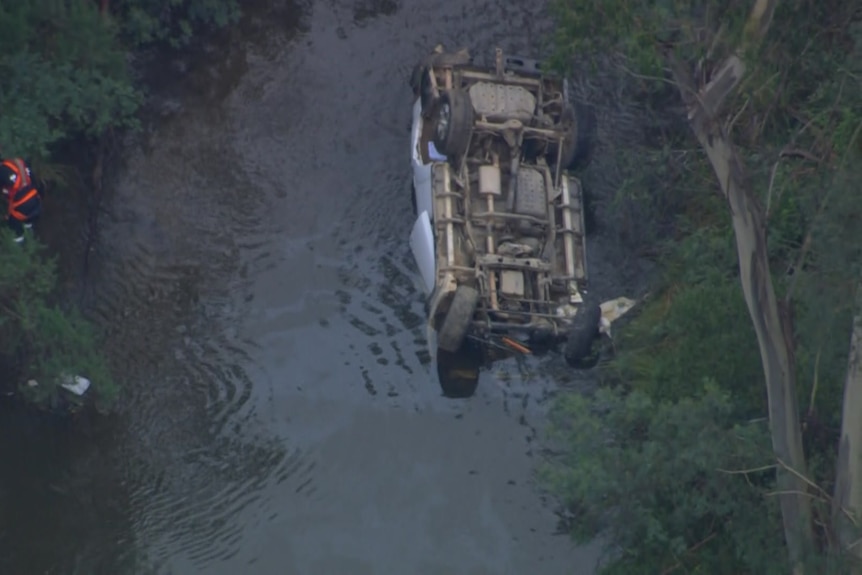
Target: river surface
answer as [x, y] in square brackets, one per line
[281, 414]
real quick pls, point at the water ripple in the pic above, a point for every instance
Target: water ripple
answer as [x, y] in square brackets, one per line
[172, 288]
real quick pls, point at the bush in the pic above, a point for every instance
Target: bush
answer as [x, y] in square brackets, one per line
[38, 339]
[171, 21]
[63, 74]
[696, 326]
[664, 481]
[65, 77]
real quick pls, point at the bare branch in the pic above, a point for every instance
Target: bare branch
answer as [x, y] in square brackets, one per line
[787, 152]
[759, 21]
[803, 478]
[688, 551]
[746, 471]
[815, 384]
[634, 74]
[732, 123]
[823, 495]
[772, 173]
[714, 44]
[797, 492]
[723, 83]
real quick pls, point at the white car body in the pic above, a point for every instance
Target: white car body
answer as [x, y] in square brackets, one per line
[422, 236]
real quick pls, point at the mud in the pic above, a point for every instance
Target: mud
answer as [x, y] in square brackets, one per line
[253, 274]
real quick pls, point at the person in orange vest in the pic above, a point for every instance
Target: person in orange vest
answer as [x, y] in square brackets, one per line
[25, 199]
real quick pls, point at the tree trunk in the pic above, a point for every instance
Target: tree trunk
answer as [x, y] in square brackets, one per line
[773, 334]
[847, 500]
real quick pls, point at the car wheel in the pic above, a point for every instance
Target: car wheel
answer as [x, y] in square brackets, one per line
[453, 123]
[579, 145]
[579, 350]
[451, 335]
[458, 372]
[416, 78]
[426, 94]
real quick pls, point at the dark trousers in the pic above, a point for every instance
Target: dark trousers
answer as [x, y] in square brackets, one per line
[18, 226]
[31, 210]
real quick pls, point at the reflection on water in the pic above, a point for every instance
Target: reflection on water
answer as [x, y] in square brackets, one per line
[192, 455]
[59, 501]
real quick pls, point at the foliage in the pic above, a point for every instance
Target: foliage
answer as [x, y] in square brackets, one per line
[677, 486]
[65, 69]
[796, 122]
[171, 21]
[64, 74]
[659, 478]
[66, 77]
[39, 340]
[676, 339]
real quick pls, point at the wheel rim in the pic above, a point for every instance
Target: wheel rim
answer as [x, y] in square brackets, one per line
[443, 118]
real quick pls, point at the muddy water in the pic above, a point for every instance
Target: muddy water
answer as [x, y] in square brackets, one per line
[281, 414]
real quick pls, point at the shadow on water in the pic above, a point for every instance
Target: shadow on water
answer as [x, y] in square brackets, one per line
[59, 502]
[208, 71]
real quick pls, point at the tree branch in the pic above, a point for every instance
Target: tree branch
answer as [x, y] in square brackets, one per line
[747, 471]
[797, 492]
[731, 72]
[759, 20]
[802, 477]
[688, 551]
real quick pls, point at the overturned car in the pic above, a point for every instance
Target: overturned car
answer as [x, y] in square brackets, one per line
[499, 236]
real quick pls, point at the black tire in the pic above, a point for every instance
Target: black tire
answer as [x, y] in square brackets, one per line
[416, 78]
[451, 335]
[453, 123]
[578, 148]
[458, 372]
[420, 81]
[588, 204]
[542, 343]
[584, 332]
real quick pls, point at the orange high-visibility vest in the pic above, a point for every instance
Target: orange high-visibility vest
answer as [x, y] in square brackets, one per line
[22, 177]
[20, 198]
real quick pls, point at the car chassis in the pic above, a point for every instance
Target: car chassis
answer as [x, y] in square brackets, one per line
[499, 238]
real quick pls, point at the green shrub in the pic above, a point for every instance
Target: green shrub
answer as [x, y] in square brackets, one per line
[171, 21]
[661, 479]
[64, 74]
[39, 340]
